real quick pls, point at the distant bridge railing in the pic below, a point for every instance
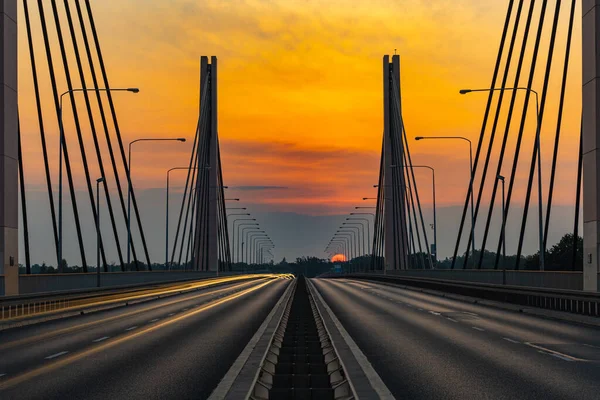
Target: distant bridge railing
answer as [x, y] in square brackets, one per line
[46, 283]
[571, 280]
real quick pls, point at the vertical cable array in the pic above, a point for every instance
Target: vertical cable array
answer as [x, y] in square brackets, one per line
[521, 48]
[80, 33]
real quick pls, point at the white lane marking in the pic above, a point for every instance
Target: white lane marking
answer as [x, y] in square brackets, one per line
[131, 328]
[471, 313]
[591, 345]
[451, 319]
[478, 329]
[100, 339]
[62, 353]
[561, 357]
[376, 382]
[420, 309]
[185, 309]
[170, 315]
[554, 352]
[511, 340]
[1, 375]
[154, 320]
[434, 312]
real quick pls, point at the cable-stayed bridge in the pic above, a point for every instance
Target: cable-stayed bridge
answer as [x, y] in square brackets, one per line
[211, 320]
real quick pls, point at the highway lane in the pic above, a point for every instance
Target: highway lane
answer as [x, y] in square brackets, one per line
[176, 350]
[425, 346]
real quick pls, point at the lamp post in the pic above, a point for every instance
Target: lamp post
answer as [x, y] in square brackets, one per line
[368, 229]
[250, 243]
[501, 179]
[260, 244]
[470, 185]
[232, 199]
[98, 182]
[129, 187]
[239, 238]
[244, 240]
[348, 236]
[61, 143]
[539, 161]
[359, 231]
[341, 243]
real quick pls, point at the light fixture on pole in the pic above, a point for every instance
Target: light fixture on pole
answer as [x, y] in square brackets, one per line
[538, 150]
[129, 188]
[62, 144]
[471, 181]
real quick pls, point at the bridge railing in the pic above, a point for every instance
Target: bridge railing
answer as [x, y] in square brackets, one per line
[568, 300]
[543, 279]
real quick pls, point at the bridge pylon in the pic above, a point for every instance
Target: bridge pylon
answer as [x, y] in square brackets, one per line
[9, 145]
[211, 251]
[391, 197]
[591, 143]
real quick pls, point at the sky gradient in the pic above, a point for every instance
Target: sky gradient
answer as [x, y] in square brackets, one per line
[300, 93]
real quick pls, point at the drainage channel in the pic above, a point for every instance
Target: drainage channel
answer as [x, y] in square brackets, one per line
[301, 362]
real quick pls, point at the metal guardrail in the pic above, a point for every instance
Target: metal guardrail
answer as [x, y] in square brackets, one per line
[34, 305]
[572, 301]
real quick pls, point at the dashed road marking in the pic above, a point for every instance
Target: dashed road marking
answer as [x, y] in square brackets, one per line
[154, 320]
[185, 309]
[100, 339]
[561, 357]
[170, 315]
[131, 328]
[451, 319]
[554, 353]
[511, 340]
[591, 345]
[434, 312]
[1, 375]
[62, 353]
[478, 329]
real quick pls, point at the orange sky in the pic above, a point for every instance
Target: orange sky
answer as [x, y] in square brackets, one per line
[300, 91]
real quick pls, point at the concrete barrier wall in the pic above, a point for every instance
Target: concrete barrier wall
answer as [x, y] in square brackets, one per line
[40, 283]
[546, 279]
[1, 285]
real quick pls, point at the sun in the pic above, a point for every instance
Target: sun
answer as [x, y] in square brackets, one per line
[338, 258]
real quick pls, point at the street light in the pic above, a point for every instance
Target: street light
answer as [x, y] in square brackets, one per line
[340, 246]
[250, 241]
[470, 184]
[349, 236]
[98, 182]
[236, 243]
[129, 187]
[167, 216]
[342, 242]
[539, 160]
[243, 237]
[501, 179]
[368, 230]
[236, 208]
[61, 143]
[361, 231]
[232, 199]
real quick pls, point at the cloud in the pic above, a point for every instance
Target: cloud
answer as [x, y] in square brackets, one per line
[253, 188]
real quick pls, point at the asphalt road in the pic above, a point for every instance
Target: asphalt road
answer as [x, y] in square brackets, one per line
[430, 347]
[173, 348]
